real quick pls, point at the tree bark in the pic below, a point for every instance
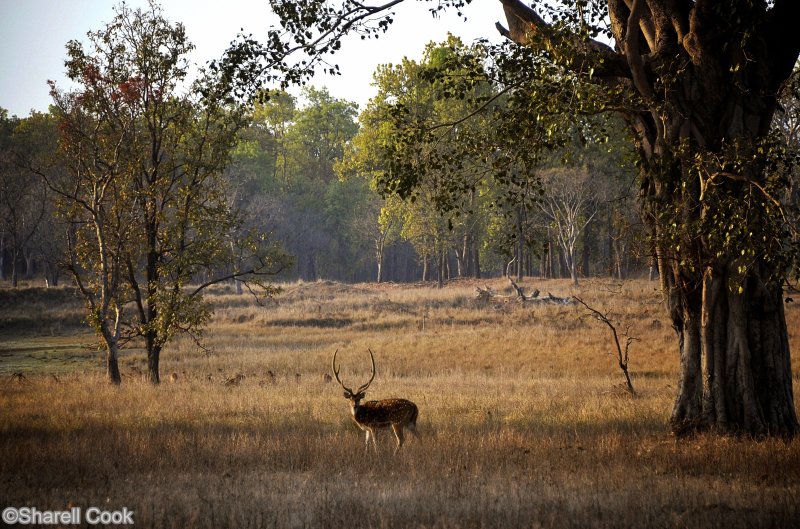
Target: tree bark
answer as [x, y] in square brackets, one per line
[111, 339]
[735, 358]
[153, 359]
[112, 364]
[380, 243]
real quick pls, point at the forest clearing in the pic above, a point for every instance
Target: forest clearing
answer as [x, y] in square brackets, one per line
[204, 250]
[523, 415]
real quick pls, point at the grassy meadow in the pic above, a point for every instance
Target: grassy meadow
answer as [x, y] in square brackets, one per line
[523, 418]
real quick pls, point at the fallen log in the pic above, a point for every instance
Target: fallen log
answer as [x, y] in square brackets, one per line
[487, 294]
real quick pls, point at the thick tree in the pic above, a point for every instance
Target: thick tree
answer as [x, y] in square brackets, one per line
[706, 76]
[697, 82]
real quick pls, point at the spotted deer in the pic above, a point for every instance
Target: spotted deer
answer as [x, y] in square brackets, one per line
[376, 414]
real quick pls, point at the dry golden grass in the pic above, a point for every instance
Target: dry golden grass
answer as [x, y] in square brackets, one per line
[522, 418]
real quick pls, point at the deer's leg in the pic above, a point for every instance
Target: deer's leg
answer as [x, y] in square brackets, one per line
[398, 433]
[412, 427]
[366, 446]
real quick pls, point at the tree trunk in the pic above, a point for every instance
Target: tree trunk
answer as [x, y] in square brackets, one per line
[587, 237]
[468, 249]
[617, 256]
[461, 257]
[28, 257]
[112, 365]
[520, 246]
[476, 260]
[14, 270]
[153, 359]
[573, 272]
[610, 246]
[735, 359]
[653, 270]
[543, 265]
[440, 270]
[312, 267]
[112, 356]
[448, 272]
[562, 264]
[2, 256]
[379, 251]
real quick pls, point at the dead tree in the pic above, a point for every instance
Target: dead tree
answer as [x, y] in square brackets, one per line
[487, 294]
[622, 354]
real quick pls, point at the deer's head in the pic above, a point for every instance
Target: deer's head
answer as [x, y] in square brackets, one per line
[354, 396]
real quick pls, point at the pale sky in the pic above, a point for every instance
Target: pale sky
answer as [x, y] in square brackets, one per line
[33, 34]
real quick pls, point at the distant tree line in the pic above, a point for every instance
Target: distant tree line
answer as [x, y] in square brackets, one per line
[309, 171]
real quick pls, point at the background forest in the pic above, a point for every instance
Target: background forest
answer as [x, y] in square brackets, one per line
[304, 169]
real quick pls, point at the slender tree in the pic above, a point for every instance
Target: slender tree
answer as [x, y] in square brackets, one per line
[145, 191]
[568, 207]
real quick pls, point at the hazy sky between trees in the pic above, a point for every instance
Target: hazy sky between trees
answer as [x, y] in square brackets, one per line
[35, 32]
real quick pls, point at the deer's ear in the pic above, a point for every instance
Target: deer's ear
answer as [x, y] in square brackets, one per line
[346, 395]
[361, 395]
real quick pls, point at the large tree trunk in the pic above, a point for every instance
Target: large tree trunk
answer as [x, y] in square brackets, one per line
[725, 302]
[735, 359]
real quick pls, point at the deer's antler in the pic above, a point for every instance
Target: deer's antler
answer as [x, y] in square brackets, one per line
[336, 373]
[365, 386]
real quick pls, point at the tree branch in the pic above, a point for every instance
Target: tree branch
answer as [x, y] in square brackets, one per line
[632, 53]
[622, 355]
[524, 23]
[255, 271]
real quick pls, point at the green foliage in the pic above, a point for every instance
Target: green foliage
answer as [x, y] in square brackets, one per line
[313, 29]
[287, 166]
[145, 193]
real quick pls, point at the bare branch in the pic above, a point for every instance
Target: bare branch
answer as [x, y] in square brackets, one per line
[622, 355]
